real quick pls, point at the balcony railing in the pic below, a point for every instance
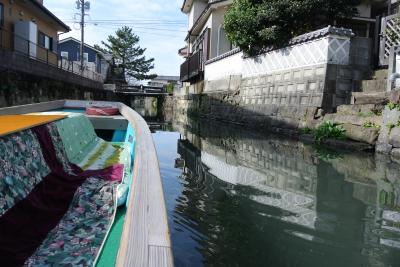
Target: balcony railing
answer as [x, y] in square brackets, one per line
[192, 68]
[12, 42]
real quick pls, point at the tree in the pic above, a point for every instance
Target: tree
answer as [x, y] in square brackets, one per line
[128, 55]
[255, 25]
[169, 88]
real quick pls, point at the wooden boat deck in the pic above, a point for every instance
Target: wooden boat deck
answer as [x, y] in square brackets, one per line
[145, 238]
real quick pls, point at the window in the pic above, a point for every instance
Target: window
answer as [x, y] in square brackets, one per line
[45, 41]
[223, 44]
[1, 15]
[64, 55]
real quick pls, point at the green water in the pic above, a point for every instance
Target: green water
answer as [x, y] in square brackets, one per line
[237, 198]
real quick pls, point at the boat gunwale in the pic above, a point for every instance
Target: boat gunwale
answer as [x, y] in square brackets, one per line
[145, 239]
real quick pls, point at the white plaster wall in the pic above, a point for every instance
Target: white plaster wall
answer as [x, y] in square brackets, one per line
[196, 10]
[330, 49]
[217, 20]
[327, 50]
[223, 68]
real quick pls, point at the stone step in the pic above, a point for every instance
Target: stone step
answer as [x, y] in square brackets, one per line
[361, 98]
[358, 120]
[360, 110]
[361, 133]
[348, 145]
[380, 74]
[373, 86]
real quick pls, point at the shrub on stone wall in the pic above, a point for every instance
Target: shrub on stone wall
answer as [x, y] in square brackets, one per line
[328, 130]
[255, 25]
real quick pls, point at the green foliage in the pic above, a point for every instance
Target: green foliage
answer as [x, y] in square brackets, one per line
[307, 130]
[393, 106]
[170, 88]
[371, 125]
[390, 127]
[328, 130]
[128, 55]
[255, 25]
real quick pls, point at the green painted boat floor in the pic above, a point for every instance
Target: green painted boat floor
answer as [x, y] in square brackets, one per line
[109, 253]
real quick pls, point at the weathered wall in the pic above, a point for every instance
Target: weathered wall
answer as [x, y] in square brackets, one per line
[20, 89]
[286, 88]
[389, 138]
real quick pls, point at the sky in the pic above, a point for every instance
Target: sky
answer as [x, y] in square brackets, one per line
[160, 24]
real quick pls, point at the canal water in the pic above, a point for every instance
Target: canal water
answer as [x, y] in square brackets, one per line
[238, 198]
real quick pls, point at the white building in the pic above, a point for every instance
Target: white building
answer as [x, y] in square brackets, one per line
[206, 37]
[209, 55]
[162, 81]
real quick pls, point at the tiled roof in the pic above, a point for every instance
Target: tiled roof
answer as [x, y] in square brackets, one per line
[309, 36]
[321, 33]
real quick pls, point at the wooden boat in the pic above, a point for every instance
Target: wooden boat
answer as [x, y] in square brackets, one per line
[50, 144]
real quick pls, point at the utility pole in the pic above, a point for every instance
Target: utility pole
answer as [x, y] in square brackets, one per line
[82, 2]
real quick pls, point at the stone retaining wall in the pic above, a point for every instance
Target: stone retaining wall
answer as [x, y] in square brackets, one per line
[389, 138]
[286, 88]
[19, 89]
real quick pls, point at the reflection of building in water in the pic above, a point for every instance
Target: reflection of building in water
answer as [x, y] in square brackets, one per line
[329, 209]
[376, 184]
[145, 106]
[277, 190]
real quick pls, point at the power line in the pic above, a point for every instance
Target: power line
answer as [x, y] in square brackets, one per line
[144, 32]
[133, 21]
[147, 28]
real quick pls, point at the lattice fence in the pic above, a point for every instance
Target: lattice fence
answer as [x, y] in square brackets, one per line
[390, 36]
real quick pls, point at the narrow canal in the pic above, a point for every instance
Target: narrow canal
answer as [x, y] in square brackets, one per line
[237, 198]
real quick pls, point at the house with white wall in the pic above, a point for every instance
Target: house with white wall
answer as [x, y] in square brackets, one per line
[209, 55]
[206, 38]
[290, 87]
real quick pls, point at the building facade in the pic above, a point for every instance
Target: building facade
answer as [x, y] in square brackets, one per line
[29, 27]
[206, 39]
[290, 87]
[69, 49]
[29, 40]
[161, 81]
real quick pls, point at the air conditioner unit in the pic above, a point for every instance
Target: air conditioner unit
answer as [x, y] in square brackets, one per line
[25, 38]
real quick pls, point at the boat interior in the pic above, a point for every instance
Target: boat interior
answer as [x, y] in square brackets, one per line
[86, 189]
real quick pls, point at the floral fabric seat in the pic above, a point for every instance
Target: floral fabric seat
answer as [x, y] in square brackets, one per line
[22, 167]
[26, 176]
[85, 149]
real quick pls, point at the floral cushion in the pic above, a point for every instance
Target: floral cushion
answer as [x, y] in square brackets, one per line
[22, 167]
[78, 238]
[78, 137]
[90, 152]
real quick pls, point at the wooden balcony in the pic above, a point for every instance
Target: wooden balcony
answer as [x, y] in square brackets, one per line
[20, 54]
[192, 69]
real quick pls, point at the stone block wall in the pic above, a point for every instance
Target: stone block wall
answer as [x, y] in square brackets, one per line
[20, 89]
[286, 88]
[295, 87]
[389, 138]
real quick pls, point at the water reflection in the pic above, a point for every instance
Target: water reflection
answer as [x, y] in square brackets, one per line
[147, 107]
[247, 199]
